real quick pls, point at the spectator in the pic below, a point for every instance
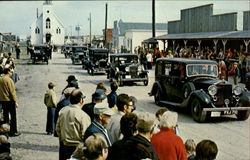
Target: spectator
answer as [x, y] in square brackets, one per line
[8, 99]
[159, 114]
[50, 101]
[206, 150]
[222, 70]
[101, 85]
[4, 143]
[167, 144]
[190, 148]
[128, 130]
[134, 101]
[64, 102]
[124, 105]
[139, 147]
[71, 125]
[96, 148]
[18, 51]
[98, 97]
[112, 96]
[102, 118]
[234, 72]
[72, 82]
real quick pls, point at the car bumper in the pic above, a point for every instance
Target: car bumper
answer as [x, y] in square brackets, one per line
[134, 79]
[226, 109]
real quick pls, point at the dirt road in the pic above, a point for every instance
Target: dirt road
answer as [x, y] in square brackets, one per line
[231, 136]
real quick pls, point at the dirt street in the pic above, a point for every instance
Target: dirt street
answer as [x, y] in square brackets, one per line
[231, 136]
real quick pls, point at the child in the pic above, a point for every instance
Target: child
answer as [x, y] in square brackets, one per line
[190, 148]
[50, 101]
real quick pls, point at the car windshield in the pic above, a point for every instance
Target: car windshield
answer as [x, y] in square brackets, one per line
[202, 70]
[129, 59]
[79, 49]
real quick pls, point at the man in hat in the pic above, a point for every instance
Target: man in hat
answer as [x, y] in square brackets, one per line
[72, 82]
[50, 101]
[98, 97]
[71, 125]
[102, 118]
[234, 72]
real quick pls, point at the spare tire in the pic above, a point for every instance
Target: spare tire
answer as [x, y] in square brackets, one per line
[187, 89]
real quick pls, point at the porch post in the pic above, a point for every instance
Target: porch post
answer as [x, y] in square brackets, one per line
[173, 46]
[247, 43]
[224, 41]
[215, 45]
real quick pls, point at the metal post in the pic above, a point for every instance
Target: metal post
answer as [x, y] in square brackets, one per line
[90, 28]
[105, 31]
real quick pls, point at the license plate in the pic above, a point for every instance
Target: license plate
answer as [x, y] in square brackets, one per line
[215, 114]
[230, 112]
[128, 76]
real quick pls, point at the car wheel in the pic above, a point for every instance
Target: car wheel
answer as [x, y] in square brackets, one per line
[187, 89]
[33, 60]
[243, 115]
[92, 72]
[73, 62]
[157, 97]
[146, 81]
[197, 111]
[119, 81]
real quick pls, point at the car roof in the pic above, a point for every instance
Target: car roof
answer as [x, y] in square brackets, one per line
[187, 60]
[40, 45]
[79, 47]
[123, 54]
[98, 49]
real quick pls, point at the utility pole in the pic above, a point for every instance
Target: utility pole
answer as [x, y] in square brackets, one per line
[153, 18]
[105, 31]
[36, 12]
[90, 28]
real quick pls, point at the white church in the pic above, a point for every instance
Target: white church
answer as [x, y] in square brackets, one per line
[47, 28]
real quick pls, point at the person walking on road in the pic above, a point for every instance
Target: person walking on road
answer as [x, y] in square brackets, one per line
[8, 99]
[50, 101]
[71, 125]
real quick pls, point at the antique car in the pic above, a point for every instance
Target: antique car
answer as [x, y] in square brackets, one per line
[193, 84]
[67, 50]
[78, 52]
[98, 60]
[124, 67]
[40, 53]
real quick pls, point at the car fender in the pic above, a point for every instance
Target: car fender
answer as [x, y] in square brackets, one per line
[156, 86]
[245, 98]
[201, 95]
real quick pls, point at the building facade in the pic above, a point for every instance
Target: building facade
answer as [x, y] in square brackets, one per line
[126, 31]
[47, 28]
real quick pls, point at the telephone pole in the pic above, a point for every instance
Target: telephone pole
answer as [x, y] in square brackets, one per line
[153, 18]
[105, 31]
[90, 28]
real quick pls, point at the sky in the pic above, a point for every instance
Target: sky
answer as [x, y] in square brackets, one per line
[17, 16]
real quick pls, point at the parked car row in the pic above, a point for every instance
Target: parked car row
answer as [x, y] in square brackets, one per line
[184, 83]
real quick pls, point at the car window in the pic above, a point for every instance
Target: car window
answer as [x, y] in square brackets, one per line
[202, 69]
[167, 69]
[159, 68]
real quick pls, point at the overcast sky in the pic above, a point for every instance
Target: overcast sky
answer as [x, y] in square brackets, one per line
[17, 16]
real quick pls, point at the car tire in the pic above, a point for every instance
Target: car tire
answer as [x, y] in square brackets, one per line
[92, 72]
[243, 115]
[197, 111]
[119, 81]
[157, 97]
[187, 89]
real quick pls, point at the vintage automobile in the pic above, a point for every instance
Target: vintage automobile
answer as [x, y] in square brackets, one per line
[41, 53]
[78, 53]
[124, 67]
[97, 61]
[67, 50]
[193, 84]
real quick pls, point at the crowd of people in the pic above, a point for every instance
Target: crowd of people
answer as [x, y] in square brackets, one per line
[110, 127]
[232, 63]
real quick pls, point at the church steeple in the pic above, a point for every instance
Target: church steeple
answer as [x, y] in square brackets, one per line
[48, 2]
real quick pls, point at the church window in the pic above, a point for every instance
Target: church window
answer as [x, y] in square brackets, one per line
[47, 23]
[37, 30]
[58, 30]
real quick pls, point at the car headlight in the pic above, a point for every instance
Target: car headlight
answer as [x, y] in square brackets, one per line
[237, 90]
[212, 90]
[127, 69]
[140, 68]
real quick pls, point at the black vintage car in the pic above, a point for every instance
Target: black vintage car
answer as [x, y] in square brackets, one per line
[78, 52]
[125, 67]
[97, 61]
[41, 53]
[67, 50]
[193, 84]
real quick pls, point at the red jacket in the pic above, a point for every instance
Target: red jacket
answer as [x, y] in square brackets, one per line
[168, 146]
